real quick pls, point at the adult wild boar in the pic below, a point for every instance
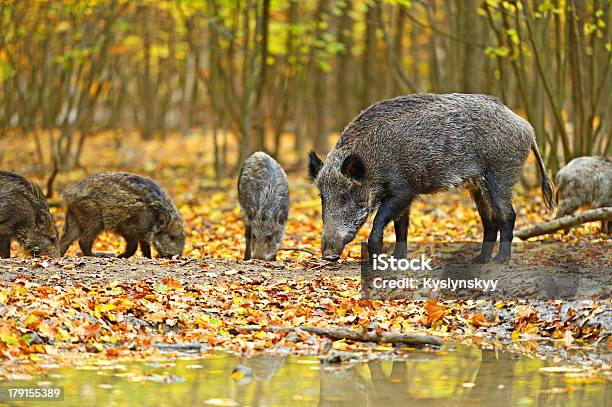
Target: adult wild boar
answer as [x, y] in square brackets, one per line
[585, 181]
[422, 144]
[130, 205]
[263, 193]
[25, 217]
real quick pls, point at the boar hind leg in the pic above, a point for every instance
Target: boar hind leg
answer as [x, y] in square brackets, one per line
[145, 248]
[392, 207]
[247, 238]
[131, 245]
[5, 248]
[506, 232]
[489, 225]
[401, 236]
[499, 190]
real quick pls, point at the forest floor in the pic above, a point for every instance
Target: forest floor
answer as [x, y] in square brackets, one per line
[50, 308]
[118, 308]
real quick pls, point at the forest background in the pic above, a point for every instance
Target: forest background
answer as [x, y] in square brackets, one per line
[247, 75]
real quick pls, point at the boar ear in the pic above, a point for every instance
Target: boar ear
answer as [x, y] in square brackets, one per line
[281, 215]
[43, 218]
[314, 165]
[353, 167]
[163, 220]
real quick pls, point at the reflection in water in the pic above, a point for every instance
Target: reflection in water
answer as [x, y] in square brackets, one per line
[493, 383]
[343, 386]
[461, 376]
[260, 368]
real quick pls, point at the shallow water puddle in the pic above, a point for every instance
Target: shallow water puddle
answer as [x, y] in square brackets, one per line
[451, 376]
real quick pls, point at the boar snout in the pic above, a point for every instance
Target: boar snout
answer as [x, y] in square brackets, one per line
[333, 246]
[168, 245]
[265, 256]
[331, 256]
[49, 250]
[264, 250]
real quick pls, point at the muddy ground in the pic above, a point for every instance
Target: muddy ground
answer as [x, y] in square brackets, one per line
[591, 261]
[103, 270]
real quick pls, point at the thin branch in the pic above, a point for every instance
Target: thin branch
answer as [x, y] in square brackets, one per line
[298, 250]
[593, 215]
[51, 178]
[444, 33]
[547, 87]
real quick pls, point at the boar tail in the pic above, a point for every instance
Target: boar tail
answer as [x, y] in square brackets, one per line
[546, 183]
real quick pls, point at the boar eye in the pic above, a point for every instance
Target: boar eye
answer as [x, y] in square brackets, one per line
[268, 238]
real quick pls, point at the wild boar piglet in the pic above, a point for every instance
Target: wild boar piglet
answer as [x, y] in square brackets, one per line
[263, 193]
[130, 205]
[25, 217]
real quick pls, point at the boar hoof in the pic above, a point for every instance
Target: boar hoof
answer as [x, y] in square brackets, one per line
[502, 258]
[481, 259]
[400, 253]
[331, 257]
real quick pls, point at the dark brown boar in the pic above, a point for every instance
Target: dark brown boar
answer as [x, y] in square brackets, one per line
[418, 144]
[130, 205]
[25, 217]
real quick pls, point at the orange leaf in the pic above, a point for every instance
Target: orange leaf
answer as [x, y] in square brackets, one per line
[478, 320]
[434, 312]
[172, 284]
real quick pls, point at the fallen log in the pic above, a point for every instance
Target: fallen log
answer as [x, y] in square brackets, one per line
[599, 214]
[351, 334]
[180, 347]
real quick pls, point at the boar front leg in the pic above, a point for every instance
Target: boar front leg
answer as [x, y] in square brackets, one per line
[401, 236]
[567, 207]
[247, 238]
[145, 248]
[5, 248]
[86, 242]
[71, 233]
[131, 245]
[392, 207]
